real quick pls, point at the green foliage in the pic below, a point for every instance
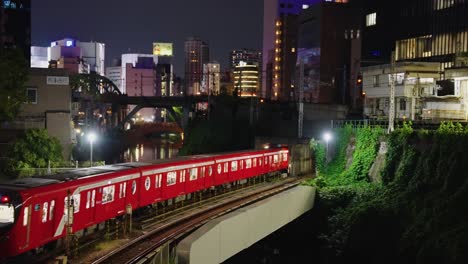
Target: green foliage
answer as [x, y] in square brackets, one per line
[419, 213]
[364, 139]
[13, 75]
[34, 149]
[367, 142]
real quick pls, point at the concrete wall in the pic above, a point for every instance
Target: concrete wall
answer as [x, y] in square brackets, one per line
[224, 237]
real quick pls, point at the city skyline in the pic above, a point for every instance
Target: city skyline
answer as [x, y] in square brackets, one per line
[133, 29]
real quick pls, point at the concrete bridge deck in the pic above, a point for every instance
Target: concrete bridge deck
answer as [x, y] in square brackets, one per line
[225, 236]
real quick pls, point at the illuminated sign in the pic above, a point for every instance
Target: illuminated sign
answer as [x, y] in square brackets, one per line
[162, 49]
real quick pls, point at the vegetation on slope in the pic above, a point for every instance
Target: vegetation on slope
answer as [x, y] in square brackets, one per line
[418, 214]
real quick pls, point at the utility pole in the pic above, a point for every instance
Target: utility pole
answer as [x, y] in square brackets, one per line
[391, 111]
[301, 95]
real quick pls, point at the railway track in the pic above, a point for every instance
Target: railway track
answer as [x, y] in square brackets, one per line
[167, 230]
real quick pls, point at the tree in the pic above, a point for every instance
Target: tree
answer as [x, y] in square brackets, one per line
[13, 75]
[34, 149]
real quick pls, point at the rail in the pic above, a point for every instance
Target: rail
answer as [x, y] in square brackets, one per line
[139, 248]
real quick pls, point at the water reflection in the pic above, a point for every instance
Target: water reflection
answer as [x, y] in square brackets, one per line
[151, 150]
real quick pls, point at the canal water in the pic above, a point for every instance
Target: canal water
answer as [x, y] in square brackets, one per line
[146, 151]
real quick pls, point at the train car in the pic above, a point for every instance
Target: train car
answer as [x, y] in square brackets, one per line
[39, 210]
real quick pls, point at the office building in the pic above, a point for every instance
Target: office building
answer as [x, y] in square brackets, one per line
[211, 78]
[196, 54]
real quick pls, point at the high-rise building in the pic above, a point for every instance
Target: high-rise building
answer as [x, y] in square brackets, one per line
[164, 69]
[15, 25]
[211, 78]
[329, 53]
[132, 61]
[251, 57]
[196, 54]
[417, 30]
[280, 26]
[246, 79]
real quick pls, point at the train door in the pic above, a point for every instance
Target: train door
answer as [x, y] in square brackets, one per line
[47, 221]
[131, 193]
[25, 236]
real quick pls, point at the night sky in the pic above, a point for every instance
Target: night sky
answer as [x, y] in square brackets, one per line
[132, 26]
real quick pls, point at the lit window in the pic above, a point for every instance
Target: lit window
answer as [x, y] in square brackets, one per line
[293, 49]
[25, 216]
[371, 19]
[305, 6]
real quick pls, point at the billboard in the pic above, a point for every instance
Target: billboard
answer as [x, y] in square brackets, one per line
[162, 49]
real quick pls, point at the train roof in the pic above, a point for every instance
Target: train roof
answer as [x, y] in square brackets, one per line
[74, 174]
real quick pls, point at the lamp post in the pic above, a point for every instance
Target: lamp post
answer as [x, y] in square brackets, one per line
[327, 136]
[91, 139]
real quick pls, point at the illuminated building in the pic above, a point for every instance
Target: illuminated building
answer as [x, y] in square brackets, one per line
[280, 28]
[329, 48]
[196, 54]
[164, 69]
[211, 78]
[246, 79]
[71, 54]
[417, 30]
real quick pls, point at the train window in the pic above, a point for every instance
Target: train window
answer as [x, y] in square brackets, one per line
[248, 163]
[219, 168]
[45, 208]
[210, 171]
[275, 158]
[254, 162]
[120, 190]
[285, 156]
[182, 176]
[171, 178]
[25, 215]
[193, 174]
[124, 189]
[259, 161]
[134, 187]
[241, 164]
[147, 183]
[266, 160]
[269, 158]
[88, 199]
[160, 180]
[75, 199]
[234, 165]
[51, 210]
[93, 198]
[76, 203]
[108, 194]
[203, 172]
[226, 167]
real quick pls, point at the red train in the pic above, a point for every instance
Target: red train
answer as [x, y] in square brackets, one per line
[33, 211]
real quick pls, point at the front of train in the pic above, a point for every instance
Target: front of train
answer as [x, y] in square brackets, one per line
[10, 208]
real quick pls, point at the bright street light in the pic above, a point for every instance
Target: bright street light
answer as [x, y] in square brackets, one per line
[327, 136]
[91, 138]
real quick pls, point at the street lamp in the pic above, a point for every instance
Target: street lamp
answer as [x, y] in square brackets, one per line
[91, 138]
[327, 136]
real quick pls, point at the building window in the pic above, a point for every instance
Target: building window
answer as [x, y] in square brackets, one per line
[371, 19]
[402, 104]
[31, 95]
[376, 80]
